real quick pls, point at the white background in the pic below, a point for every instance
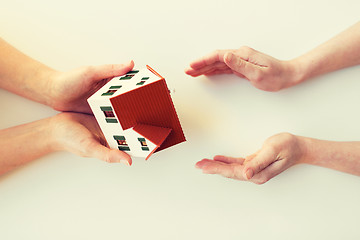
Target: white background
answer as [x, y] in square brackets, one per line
[62, 196]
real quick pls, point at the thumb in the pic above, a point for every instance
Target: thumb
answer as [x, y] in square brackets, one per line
[101, 72]
[109, 155]
[259, 162]
[240, 65]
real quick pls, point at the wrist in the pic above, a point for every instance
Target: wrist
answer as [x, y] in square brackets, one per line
[42, 135]
[305, 145]
[298, 71]
[48, 77]
[55, 133]
[36, 81]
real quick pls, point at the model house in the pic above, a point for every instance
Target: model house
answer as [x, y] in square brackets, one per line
[136, 113]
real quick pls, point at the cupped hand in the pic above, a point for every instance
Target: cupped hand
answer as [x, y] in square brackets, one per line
[70, 90]
[263, 71]
[277, 154]
[80, 134]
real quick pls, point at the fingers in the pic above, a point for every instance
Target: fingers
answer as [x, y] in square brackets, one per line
[209, 69]
[216, 56]
[233, 170]
[245, 62]
[98, 73]
[219, 71]
[210, 64]
[225, 159]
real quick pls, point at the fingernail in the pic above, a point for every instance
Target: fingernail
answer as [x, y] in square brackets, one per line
[249, 174]
[197, 165]
[130, 62]
[125, 162]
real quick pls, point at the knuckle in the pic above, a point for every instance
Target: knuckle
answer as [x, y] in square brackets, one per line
[272, 142]
[281, 139]
[260, 166]
[107, 159]
[87, 150]
[287, 136]
[246, 49]
[110, 156]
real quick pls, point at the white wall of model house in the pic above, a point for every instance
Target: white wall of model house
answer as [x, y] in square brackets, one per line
[113, 128]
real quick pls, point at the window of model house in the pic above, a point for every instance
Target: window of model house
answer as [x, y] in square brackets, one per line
[133, 72]
[129, 75]
[111, 90]
[122, 144]
[109, 114]
[142, 81]
[143, 143]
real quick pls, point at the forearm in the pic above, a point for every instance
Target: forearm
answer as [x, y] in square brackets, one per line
[339, 52]
[341, 156]
[23, 75]
[24, 143]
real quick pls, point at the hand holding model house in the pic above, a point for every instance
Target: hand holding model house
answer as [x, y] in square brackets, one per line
[73, 130]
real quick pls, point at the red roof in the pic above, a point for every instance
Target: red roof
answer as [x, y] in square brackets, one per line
[156, 135]
[150, 104]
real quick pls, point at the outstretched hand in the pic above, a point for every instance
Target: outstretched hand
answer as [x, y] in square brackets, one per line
[80, 134]
[278, 153]
[263, 71]
[70, 90]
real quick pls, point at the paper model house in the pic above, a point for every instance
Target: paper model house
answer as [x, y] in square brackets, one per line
[136, 113]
